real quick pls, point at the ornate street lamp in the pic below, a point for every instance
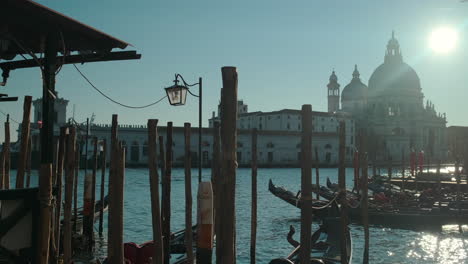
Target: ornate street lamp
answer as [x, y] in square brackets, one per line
[177, 95]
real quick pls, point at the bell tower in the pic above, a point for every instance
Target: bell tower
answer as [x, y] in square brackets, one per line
[333, 94]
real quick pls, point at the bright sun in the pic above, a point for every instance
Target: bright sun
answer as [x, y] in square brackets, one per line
[443, 39]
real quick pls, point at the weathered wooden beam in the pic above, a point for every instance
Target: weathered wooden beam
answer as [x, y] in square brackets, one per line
[59, 185]
[215, 174]
[227, 241]
[342, 193]
[154, 190]
[103, 183]
[69, 181]
[317, 175]
[25, 130]
[72, 59]
[166, 195]
[188, 198]
[364, 193]
[306, 184]
[253, 212]
[113, 164]
[45, 197]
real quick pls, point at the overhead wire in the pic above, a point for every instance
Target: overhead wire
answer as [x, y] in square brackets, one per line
[6, 115]
[112, 100]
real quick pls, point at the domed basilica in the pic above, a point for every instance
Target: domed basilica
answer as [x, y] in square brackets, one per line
[392, 109]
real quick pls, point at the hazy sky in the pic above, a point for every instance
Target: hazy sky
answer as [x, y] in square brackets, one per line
[284, 52]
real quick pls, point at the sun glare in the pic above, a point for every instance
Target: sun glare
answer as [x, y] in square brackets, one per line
[443, 39]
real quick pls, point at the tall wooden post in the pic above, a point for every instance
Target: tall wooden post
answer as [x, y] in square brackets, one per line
[253, 222]
[342, 192]
[103, 183]
[113, 164]
[45, 197]
[364, 204]
[317, 175]
[58, 200]
[116, 255]
[67, 208]
[166, 195]
[28, 162]
[188, 196]
[162, 159]
[6, 153]
[154, 189]
[2, 167]
[227, 241]
[216, 172]
[25, 130]
[306, 184]
[89, 198]
[439, 189]
[75, 187]
[403, 179]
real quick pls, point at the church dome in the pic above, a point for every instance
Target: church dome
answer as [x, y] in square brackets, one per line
[394, 75]
[355, 89]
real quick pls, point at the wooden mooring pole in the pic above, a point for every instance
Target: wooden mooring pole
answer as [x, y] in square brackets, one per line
[342, 193]
[166, 195]
[113, 164]
[226, 241]
[2, 167]
[188, 197]
[28, 162]
[364, 193]
[75, 187]
[403, 179]
[59, 184]
[45, 198]
[253, 222]
[215, 174]
[67, 208]
[306, 184]
[6, 153]
[154, 189]
[25, 130]
[103, 183]
[317, 175]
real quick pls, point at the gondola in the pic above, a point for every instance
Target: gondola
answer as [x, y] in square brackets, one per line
[325, 243]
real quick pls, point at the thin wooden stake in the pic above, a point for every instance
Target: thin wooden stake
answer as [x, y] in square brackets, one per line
[75, 187]
[154, 189]
[228, 165]
[28, 163]
[253, 223]
[112, 178]
[67, 208]
[342, 193]
[364, 203]
[103, 183]
[306, 184]
[439, 189]
[2, 167]
[25, 130]
[403, 179]
[117, 207]
[58, 200]
[188, 197]
[6, 152]
[215, 174]
[45, 197]
[317, 175]
[166, 195]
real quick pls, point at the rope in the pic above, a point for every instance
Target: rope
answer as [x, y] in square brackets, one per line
[112, 100]
[3, 113]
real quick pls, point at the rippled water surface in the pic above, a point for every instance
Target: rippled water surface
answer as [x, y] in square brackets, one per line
[387, 245]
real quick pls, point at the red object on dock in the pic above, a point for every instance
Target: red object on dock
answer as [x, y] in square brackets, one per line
[138, 254]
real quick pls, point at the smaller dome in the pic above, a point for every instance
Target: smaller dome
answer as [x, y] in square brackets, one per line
[355, 89]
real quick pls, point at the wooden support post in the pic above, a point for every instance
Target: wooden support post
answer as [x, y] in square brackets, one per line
[227, 241]
[67, 208]
[75, 187]
[188, 198]
[215, 176]
[117, 206]
[439, 189]
[45, 213]
[403, 179]
[6, 153]
[253, 222]
[154, 189]
[112, 177]
[306, 184]
[58, 200]
[364, 203]
[2, 167]
[25, 130]
[356, 171]
[28, 162]
[205, 223]
[103, 183]
[317, 175]
[166, 195]
[162, 159]
[89, 198]
[342, 192]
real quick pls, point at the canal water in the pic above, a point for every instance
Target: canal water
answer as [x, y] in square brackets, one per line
[387, 245]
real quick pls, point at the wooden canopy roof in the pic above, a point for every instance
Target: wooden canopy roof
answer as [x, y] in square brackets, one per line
[25, 24]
